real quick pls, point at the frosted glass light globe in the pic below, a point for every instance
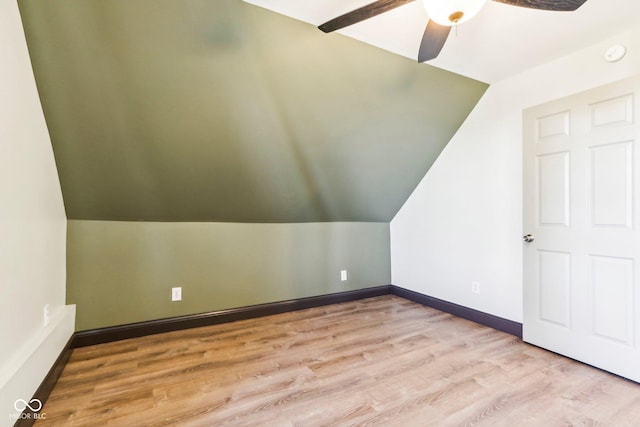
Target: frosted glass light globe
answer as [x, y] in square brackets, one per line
[452, 12]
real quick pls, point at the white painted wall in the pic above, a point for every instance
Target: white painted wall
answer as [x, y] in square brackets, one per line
[463, 222]
[32, 228]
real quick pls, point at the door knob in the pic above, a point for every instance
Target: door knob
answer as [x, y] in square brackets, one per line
[528, 238]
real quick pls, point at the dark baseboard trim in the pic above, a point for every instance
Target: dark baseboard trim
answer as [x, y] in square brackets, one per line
[495, 322]
[28, 417]
[134, 330]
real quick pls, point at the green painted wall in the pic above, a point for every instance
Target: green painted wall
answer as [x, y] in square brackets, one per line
[218, 110]
[122, 272]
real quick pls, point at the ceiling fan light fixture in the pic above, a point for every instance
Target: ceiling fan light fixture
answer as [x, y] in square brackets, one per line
[452, 12]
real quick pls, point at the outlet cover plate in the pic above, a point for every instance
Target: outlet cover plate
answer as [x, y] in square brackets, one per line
[46, 315]
[475, 287]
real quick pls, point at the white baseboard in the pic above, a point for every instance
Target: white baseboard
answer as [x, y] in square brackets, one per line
[23, 374]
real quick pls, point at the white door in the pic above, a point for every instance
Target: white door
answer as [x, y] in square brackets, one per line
[582, 208]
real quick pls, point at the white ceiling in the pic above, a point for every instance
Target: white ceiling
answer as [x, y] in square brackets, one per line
[500, 41]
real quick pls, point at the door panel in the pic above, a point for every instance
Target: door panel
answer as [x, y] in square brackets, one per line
[553, 193]
[581, 203]
[611, 282]
[554, 125]
[611, 183]
[611, 112]
[555, 287]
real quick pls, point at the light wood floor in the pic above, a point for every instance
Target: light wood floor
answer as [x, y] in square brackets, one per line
[379, 361]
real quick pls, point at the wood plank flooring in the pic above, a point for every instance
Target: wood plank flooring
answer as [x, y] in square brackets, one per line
[378, 361]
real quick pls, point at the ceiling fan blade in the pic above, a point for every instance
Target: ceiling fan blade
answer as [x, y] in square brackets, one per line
[433, 39]
[360, 14]
[554, 5]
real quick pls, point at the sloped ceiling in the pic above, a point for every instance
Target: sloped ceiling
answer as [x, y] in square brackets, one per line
[502, 40]
[218, 110]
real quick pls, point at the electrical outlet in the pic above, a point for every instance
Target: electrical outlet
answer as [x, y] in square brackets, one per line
[343, 275]
[46, 315]
[176, 294]
[475, 287]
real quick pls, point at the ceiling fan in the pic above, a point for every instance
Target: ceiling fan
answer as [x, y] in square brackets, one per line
[443, 15]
